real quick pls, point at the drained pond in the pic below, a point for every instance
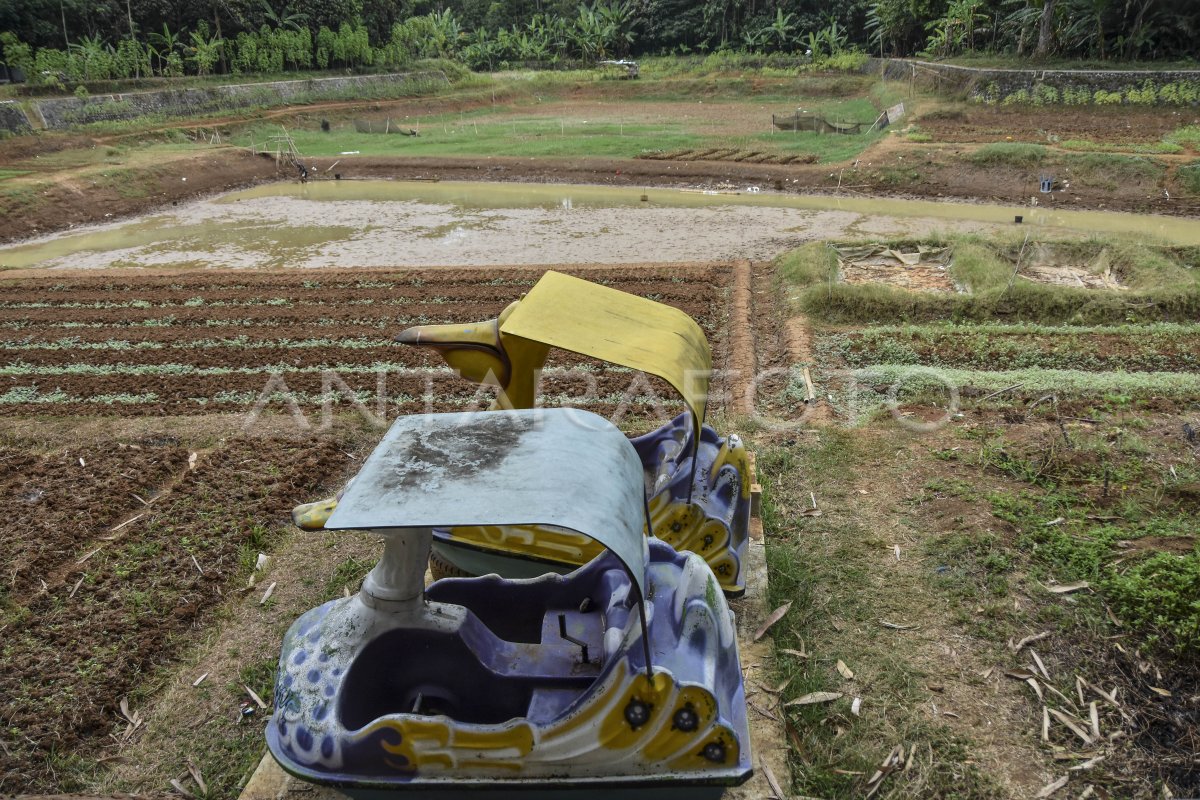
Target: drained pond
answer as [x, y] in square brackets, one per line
[390, 223]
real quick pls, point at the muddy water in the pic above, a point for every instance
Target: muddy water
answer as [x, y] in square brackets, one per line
[386, 223]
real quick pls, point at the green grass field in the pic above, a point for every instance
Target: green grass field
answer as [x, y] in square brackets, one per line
[621, 128]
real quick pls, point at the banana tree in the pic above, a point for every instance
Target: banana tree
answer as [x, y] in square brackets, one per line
[284, 18]
[446, 32]
[835, 37]
[780, 30]
[1085, 27]
[94, 56]
[166, 45]
[618, 18]
[589, 34]
[205, 51]
[754, 38]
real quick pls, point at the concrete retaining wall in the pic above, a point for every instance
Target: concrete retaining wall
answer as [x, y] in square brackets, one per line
[1074, 86]
[65, 112]
[12, 118]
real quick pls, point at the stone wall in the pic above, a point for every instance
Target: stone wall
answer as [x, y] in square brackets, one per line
[12, 118]
[1142, 87]
[65, 112]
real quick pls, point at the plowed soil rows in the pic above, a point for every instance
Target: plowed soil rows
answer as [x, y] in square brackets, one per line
[57, 503]
[1108, 125]
[229, 394]
[747, 156]
[199, 343]
[265, 316]
[1096, 352]
[91, 634]
[385, 354]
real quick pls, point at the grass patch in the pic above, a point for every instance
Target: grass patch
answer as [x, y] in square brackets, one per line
[1008, 154]
[22, 198]
[348, 575]
[922, 379]
[808, 264]
[1112, 169]
[528, 136]
[6, 174]
[1106, 169]
[515, 127]
[507, 131]
[1150, 348]
[1188, 177]
[1185, 137]
[1106, 489]
[1022, 302]
[1088, 146]
[822, 565]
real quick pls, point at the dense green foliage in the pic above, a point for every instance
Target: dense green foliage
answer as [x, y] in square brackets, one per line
[80, 40]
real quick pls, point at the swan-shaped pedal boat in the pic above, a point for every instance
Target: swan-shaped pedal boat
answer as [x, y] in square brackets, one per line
[622, 674]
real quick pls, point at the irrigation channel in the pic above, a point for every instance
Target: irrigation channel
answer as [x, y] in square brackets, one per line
[387, 223]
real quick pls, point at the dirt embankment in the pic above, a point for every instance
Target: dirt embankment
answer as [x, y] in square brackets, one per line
[67, 199]
[71, 200]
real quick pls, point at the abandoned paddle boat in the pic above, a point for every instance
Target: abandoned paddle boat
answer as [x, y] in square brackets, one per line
[698, 481]
[622, 674]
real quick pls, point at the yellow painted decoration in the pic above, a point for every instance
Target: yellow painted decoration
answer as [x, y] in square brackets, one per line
[313, 516]
[531, 541]
[683, 526]
[615, 731]
[427, 743]
[692, 699]
[430, 744]
[694, 757]
[736, 457]
[483, 354]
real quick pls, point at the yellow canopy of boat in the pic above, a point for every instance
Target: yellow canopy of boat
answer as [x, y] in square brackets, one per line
[618, 327]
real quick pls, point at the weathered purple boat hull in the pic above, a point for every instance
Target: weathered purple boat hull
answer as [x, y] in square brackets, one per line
[504, 674]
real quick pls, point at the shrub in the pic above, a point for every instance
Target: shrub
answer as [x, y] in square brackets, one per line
[1113, 167]
[1076, 97]
[1160, 594]
[1045, 95]
[1019, 97]
[16, 53]
[1186, 137]
[1147, 95]
[845, 61]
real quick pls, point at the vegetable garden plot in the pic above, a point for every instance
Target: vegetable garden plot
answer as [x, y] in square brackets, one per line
[205, 343]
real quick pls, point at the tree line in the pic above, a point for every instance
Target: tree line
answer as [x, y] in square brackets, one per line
[81, 40]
